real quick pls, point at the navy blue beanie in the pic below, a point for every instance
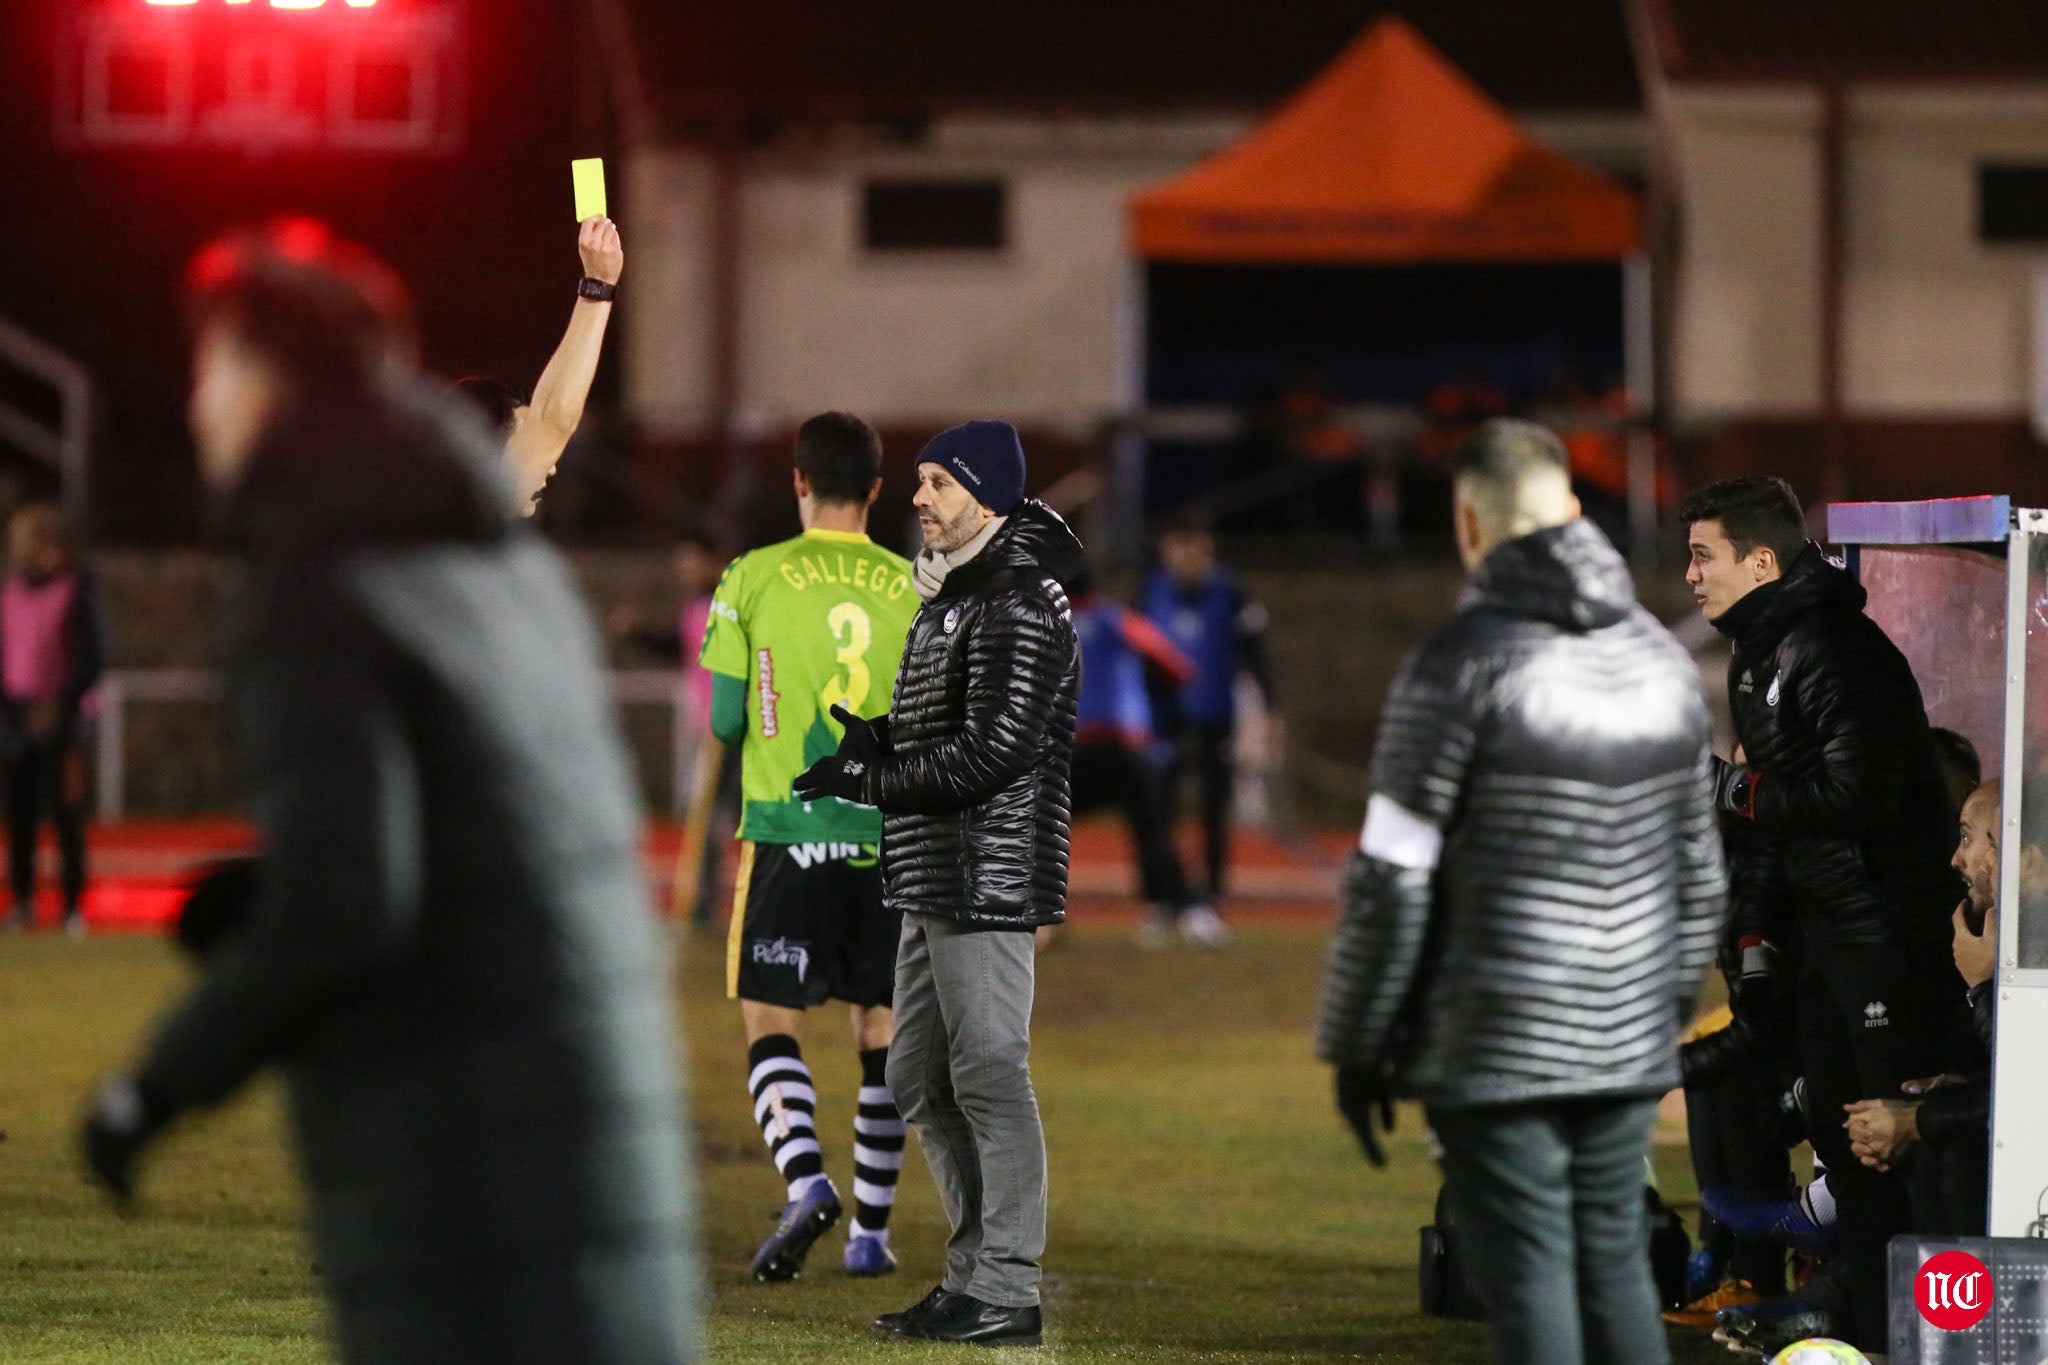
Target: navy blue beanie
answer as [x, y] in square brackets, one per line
[986, 457]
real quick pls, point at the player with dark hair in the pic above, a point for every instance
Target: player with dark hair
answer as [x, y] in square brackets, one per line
[536, 429]
[1842, 888]
[803, 635]
[446, 948]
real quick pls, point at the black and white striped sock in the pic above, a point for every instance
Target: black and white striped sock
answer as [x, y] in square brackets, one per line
[785, 1106]
[878, 1131]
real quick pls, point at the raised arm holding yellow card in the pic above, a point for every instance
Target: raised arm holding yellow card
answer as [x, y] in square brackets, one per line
[537, 431]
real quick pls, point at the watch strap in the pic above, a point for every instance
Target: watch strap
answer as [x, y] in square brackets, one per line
[596, 290]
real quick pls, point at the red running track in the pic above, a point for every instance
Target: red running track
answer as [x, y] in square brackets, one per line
[140, 869]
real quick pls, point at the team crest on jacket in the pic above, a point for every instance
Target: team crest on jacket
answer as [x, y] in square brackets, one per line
[1771, 696]
[1747, 685]
[952, 620]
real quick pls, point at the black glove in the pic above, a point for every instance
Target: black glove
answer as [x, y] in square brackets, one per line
[1734, 789]
[125, 1116]
[217, 908]
[844, 774]
[845, 778]
[1363, 1094]
[866, 740]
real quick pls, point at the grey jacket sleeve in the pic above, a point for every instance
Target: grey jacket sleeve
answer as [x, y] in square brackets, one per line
[337, 797]
[1427, 736]
[1702, 885]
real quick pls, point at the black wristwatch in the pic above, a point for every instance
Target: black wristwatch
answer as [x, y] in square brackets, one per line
[596, 290]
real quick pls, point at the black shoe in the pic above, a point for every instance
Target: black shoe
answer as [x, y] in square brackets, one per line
[899, 1324]
[804, 1221]
[964, 1318]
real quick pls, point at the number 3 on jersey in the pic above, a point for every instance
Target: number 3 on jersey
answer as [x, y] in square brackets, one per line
[854, 631]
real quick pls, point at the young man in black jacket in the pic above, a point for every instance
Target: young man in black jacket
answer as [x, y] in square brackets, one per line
[449, 950]
[1843, 891]
[971, 771]
[1531, 908]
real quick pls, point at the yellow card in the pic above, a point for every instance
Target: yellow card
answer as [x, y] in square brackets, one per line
[589, 177]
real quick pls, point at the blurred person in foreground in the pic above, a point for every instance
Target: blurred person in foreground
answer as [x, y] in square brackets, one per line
[537, 429]
[1531, 908]
[52, 643]
[1204, 609]
[449, 949]
[803, 643]
[971, 771]
[1843, 890]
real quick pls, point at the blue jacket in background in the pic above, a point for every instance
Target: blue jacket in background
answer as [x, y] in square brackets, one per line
[1217, 628]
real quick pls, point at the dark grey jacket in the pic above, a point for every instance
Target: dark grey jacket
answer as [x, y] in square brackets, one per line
[452, 954]
[1555, 738]
[975, 793]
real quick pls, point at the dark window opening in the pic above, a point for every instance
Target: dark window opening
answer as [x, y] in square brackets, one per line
[2012, 203]
[935, 215]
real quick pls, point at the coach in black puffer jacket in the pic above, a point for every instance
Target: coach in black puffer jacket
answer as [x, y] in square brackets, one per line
[974, 795]
[970, 770]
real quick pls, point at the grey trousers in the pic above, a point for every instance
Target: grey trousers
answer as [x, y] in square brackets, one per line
[1548, 1203]
[960, 1070]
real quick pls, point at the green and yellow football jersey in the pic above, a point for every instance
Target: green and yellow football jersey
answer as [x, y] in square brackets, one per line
[807, 624]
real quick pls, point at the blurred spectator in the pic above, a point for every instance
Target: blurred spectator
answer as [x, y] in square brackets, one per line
[1841, 885]
[1115, 763]
[448, 947]
[1205, 612]
[715, 767]
[51, 647]
[537, 430]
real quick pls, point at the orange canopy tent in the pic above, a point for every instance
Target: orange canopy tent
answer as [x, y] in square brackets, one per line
[1389, 157]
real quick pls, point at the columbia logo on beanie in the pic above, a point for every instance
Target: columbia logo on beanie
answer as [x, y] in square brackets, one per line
[988, 459]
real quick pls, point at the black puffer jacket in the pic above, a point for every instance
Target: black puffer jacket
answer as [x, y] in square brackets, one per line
[1851, 817]
[1554, 735]
[974, 793]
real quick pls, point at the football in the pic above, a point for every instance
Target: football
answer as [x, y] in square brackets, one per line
[1820, 1351]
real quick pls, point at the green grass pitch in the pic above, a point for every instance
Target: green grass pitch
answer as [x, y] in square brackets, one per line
[1207, 1204]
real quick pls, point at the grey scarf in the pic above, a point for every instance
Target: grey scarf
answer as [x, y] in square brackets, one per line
[931, 566]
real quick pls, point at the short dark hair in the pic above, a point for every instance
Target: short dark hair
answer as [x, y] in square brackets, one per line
[494, 398]
[841, 456]
[1753, 509]
[322, 310]
[1958, 755]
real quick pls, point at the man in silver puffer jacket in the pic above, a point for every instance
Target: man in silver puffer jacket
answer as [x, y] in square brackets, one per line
[1536, 894]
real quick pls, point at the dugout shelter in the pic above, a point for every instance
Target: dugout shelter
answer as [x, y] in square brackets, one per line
[1961, 586]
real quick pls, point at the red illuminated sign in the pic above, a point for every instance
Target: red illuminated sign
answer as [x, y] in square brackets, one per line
[274, 4]
[213, 74]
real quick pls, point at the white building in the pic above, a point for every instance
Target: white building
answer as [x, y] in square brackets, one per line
[1854, 231]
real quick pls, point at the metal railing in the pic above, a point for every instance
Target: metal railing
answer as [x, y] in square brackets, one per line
[122, 688]
[66, 446]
